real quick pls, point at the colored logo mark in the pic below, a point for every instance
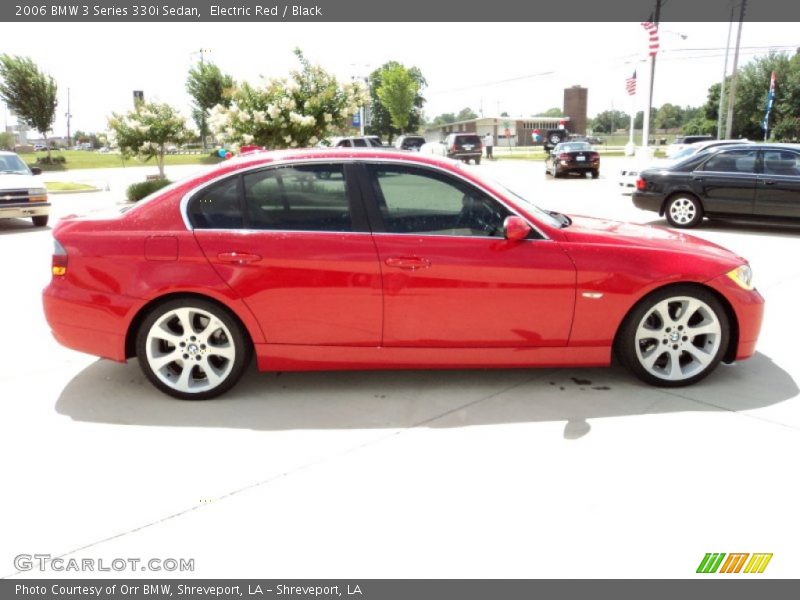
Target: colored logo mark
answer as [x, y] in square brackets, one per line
[713, 562]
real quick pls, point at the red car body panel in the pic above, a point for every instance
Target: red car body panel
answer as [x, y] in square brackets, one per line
[325, 300]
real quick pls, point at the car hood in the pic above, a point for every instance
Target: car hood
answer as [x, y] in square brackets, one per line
[9, 181]
[603, 231]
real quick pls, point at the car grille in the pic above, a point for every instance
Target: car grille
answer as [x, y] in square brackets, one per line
[13, 196]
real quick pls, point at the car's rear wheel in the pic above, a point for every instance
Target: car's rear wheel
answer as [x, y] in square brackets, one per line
[674, 337]
[478, 160]
[40, 220]
[683, 211]
[595, 173]
[192, 349]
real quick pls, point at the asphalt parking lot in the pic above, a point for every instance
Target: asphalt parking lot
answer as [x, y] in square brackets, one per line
[504, 473]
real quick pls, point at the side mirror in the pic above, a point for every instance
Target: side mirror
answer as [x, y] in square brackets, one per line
[515, 228]
[36, 170]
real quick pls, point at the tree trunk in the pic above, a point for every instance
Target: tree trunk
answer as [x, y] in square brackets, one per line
[160, 160]
[47, 145]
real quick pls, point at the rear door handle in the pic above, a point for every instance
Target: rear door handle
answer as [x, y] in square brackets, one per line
[408, 263]
[237, 258]
[768, 181]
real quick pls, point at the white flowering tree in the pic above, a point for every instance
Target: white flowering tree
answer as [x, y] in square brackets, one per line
[147, 130]
[287, 113]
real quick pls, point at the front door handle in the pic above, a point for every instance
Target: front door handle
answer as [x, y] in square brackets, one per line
[408, 263]
[238, 258]
[768, 181]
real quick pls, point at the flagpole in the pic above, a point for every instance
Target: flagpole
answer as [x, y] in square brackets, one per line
[720, 132]
[646, 124]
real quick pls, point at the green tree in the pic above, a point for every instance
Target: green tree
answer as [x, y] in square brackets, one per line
[381, 119]
[609, 121]
[444, 119]
[552, 112]
[287, 112]
[6, 141]
[30, 93]
[396, 93]
[147, 130]
[207, 86]
[466, 114]
[669, 116]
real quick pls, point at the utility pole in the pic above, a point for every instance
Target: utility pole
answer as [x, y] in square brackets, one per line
[203, 110]
[646, 123]
[720, 131]
[69, 116]
[734, 76]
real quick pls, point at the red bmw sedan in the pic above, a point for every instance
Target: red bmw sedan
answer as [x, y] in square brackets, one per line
[344, 259]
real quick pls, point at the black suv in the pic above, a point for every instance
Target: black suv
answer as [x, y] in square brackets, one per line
[409, 142]
[464, 146]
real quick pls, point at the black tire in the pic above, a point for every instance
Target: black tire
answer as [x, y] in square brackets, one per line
[557, 172]
[695, 354]
[595, 173]
[40, 220]
[683, 210]
[478, 160]
[225, 335]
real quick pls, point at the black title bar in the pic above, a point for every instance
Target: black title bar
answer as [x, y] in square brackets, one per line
[106, 11]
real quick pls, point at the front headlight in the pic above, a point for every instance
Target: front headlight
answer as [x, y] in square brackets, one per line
[37, 195]
[743, 276]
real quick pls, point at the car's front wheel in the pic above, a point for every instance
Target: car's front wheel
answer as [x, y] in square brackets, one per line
[683, 211]
[192, 349]
[40, 220]
[674, 337]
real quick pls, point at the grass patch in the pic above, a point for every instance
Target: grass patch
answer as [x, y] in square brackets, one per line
[67, 186]
[82, 159]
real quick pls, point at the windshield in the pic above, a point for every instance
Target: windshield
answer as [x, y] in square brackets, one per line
[12, 163]
[573, 147]
[540, 214]
[688, 151]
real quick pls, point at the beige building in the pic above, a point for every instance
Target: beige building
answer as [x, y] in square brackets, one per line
[507, 131]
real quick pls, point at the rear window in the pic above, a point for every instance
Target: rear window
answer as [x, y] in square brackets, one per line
[467, 139]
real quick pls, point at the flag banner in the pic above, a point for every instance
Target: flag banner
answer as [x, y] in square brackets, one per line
[652, 30]
[770, 100]
[630, 84]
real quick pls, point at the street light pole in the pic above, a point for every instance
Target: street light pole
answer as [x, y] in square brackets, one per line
[720, 131]
[734, 76]
[69, 116]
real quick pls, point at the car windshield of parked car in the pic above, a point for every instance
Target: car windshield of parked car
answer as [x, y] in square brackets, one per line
[685, 153]
[574, 147]
[13, 164]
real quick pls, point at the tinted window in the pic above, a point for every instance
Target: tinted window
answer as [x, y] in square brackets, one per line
[299, 198]
[468, 139]
[781, 162]
[421, 201]
[733, 161]
[217, 206]
[360, 143]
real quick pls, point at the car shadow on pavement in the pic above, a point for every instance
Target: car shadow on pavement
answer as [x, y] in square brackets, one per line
[788, 228]
[12, 226]
[107, 392]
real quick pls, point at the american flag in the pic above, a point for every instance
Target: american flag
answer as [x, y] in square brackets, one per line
[630, 84]
[652, 29]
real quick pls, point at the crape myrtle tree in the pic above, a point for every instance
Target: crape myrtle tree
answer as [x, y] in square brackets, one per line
[147, 130]
[397, 93]
[30, 93]
[288, 112]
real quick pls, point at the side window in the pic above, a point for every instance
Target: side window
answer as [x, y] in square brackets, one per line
[733, 161]
[217, 206]
[360, 143]
[419, 201]
[299, 198]
[781, 162]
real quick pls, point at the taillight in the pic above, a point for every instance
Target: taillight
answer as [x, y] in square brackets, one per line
[563, 156]
[641, 184]
[59, 264]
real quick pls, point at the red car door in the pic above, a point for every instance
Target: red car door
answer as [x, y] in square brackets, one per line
[450, 279]
[298, 254]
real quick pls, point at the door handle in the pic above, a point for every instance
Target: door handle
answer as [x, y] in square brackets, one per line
[768, 181]
[237, 258]
[408, 263]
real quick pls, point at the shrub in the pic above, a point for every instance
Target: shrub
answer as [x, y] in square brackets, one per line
[51, 160]
[137, 191]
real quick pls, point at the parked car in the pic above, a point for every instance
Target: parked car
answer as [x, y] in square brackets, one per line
[39, 147]
[394, 260]
[573, 157]
[681, 142]
[630, 173]
[409, 142]
[357, 142]
[553, 137]
[464, 146]
[737, 180]
[22, 194]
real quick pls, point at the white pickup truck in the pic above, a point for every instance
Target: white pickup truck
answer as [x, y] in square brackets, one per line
[22, 194]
